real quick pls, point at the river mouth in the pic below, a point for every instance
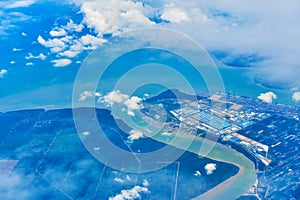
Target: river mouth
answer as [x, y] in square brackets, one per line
[45, 152]
[234, 186]
[231, 188]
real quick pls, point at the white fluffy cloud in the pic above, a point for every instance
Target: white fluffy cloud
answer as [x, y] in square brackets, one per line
[97, 94]
[103, 17]
[57, 32]
[214, 24]
[296, 96]
[264, 36]
[40, 56]
[210, 167]
[267, 39]
[146, 183]
[110, 17]
[61, 62]
[119, 180]
[86, 94]
[135, 135]
[131, 103]
[3, 72]
[267, 97]
[130, 194]
[71, 26]
[87, 40]
[134, 103]
[66, 41]
[173, 14]
[69, 53]
[22, 3]
[55, 44]
[115, 97]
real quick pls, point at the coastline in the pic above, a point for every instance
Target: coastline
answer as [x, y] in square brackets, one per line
[213, 193]
[231, 188]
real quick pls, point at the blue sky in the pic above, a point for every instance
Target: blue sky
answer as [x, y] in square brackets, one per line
[44, 42]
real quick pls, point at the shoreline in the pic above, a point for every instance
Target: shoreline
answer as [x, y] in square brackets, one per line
[211, 194]
[233, 187]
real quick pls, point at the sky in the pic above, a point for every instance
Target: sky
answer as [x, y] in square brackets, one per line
[44, 47]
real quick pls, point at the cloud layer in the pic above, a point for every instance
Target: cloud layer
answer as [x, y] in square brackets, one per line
[172, 14]
[264, 36]
[243, 33]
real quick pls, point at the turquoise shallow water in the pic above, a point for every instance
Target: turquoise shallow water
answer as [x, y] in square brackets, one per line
[240, 81]
[236, 82]
[151, 78]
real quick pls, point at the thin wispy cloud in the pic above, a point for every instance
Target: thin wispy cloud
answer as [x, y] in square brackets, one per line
[19, 4]
[11, 20]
